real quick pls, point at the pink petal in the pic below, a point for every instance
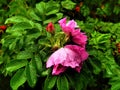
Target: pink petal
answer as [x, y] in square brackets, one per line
[66, 30]
[80, 51]
[57, 69]
[62, 22]
[49, 62]
[79, 68]
[70, 55]
[57, 57]
[79, 38]
[65, 57]
[69, 28]
[71, 24]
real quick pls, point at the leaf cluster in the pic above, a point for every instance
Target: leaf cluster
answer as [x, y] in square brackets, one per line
[26, 46]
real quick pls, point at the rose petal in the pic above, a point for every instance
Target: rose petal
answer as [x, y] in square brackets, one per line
[69, 56]
[57, 69]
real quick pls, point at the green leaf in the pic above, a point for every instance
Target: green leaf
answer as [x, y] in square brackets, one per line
[52, 7]
[53, 19]
[80, 81]
[32, 37]
[115, 83]
[17, 7]
[38, 63]
[31, 74]
[116, 10]
[33, 15]
[50, 82]
[118, 1]
[62, 83]
[22, 26]
[52, 12]
[116, 86]
[16, 19]
[68, 4]
[16, 33]
[59, 15]
[15, 64]
[18, 79]
[96, 65]
[20, 42]
[6, 41]
[43, 55]
[13, 45]
[1, 60]
[41, 8]
[24, 55]
[85, 10]
[107, 9]
[38, 26]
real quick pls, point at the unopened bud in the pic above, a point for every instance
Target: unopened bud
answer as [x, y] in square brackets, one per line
[77, 8]
[3, 27]
[50, 27]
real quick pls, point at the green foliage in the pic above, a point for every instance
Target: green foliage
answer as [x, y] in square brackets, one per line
[115, 83]
[68, 4]
[50, 82]
[18, 79]
[15, 64]
[25, 46]
[61, 85]
[31, 74]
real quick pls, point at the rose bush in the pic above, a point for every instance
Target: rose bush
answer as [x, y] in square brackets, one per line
[59, 45]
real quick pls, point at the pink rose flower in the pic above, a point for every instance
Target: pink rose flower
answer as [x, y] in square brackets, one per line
[69, 56]
[75, 34]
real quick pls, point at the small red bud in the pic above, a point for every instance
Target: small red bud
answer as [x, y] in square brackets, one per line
[77, 8]
[118, 45]
[50, 27]
[3, 27]
[118, 50]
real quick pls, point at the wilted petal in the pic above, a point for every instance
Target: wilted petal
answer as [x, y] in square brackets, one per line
[57, 69]
[79, 68]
